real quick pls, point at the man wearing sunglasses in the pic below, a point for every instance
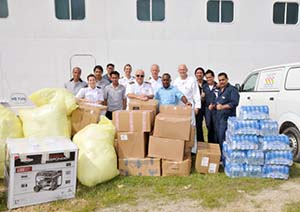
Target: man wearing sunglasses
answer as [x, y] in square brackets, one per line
[139, 89]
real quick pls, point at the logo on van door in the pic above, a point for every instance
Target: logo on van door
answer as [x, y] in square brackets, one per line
[18, 98]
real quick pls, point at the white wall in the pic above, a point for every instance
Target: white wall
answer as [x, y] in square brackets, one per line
[35, 47]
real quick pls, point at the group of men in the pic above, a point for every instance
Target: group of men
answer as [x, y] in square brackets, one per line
[210, 100]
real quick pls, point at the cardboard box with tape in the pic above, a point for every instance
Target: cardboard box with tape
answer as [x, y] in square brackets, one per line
[166, 148]
[208, 158]
[151, 104]
[177, 168]
[132, 144]
[140, 167]
[86, 114]
[173, 122]
[133, 120]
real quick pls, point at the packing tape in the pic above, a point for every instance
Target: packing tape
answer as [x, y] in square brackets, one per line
[144, 121]
[117, 124]
[131, 126]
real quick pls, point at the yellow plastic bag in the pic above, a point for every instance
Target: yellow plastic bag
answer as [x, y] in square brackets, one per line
[97, 159]
[44, 121]
[10, 124]
[10, 127]
[54, 95]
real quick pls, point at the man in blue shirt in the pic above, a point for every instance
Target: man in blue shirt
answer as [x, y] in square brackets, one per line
[226, 103]
[168, 94]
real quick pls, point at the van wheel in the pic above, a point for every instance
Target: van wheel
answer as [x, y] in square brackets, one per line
[294, 135]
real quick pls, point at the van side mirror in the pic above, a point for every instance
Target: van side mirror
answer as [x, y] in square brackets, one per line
[238, 86]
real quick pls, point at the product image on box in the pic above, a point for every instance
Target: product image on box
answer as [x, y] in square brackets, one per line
[48, 180]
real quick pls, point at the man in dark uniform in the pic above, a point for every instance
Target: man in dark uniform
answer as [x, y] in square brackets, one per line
[199, 74]
[210, 90]
[226, 103]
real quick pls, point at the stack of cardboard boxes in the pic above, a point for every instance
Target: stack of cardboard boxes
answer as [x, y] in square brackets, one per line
[133, 129]
[173, 139]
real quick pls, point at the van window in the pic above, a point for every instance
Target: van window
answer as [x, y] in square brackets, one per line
[150, 10]
[220, 11]
[249, 84]
[292, 79]
[70, 9]
[270, 80]
[3, 9]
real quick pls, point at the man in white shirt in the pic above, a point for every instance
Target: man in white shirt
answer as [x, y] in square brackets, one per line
[76, 82]
[139, 89]
[155, 79]
[127, 77]
[91, 94]
[189, 87]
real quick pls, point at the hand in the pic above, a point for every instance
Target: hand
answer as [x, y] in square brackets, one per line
[202, 95]
[196, 111]
[211, 107]
[144, 98]
[219, 107]
[188, 104]
[99, 102]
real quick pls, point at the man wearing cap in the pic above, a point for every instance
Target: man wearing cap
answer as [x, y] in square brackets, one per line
[76, 82]
[139, 89]
[127, 77]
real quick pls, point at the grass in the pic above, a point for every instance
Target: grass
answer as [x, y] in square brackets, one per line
[210, 191]
[292, 207]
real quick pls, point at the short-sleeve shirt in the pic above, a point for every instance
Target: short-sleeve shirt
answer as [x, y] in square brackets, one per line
[115, 97]
[124, 80]
[102, 83]
[74, 87]
[90, 94]
[143, 89]
[156, 84]
[168, 96]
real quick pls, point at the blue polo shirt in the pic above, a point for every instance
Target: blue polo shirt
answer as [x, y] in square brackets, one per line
[168, 96]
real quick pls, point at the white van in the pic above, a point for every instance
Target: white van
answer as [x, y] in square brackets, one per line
[279, 88]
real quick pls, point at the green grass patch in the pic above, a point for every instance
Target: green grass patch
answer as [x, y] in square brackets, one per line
[209, 190]
[292, 207]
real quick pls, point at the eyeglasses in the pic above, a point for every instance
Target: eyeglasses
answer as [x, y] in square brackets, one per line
[142, 76]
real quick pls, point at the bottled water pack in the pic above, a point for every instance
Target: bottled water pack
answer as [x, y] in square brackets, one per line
[278, 142]
[279, 158]
[234, 156]
[276, 172]
[253, 171]
[255, 157]
[242, 142]
[268, 127]
[254, 112]
[237, 126]
[234, 170]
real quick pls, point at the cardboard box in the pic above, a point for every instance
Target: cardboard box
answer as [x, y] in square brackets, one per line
[177, 168]
[133, 120]
[140, 167]
[151, 104]
[172, 126]
[39, 170]
[176, 110]
[132, 144]
[191, 141]
[166, 148]
[86, 114]
[208, 158]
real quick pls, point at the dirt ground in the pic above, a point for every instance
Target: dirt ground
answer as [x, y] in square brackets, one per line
[265, 201]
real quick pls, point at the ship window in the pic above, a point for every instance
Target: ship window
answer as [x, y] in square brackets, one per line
[3, 9]
[285, 13]
[220, 11]
[70, 9]
[150, 10]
